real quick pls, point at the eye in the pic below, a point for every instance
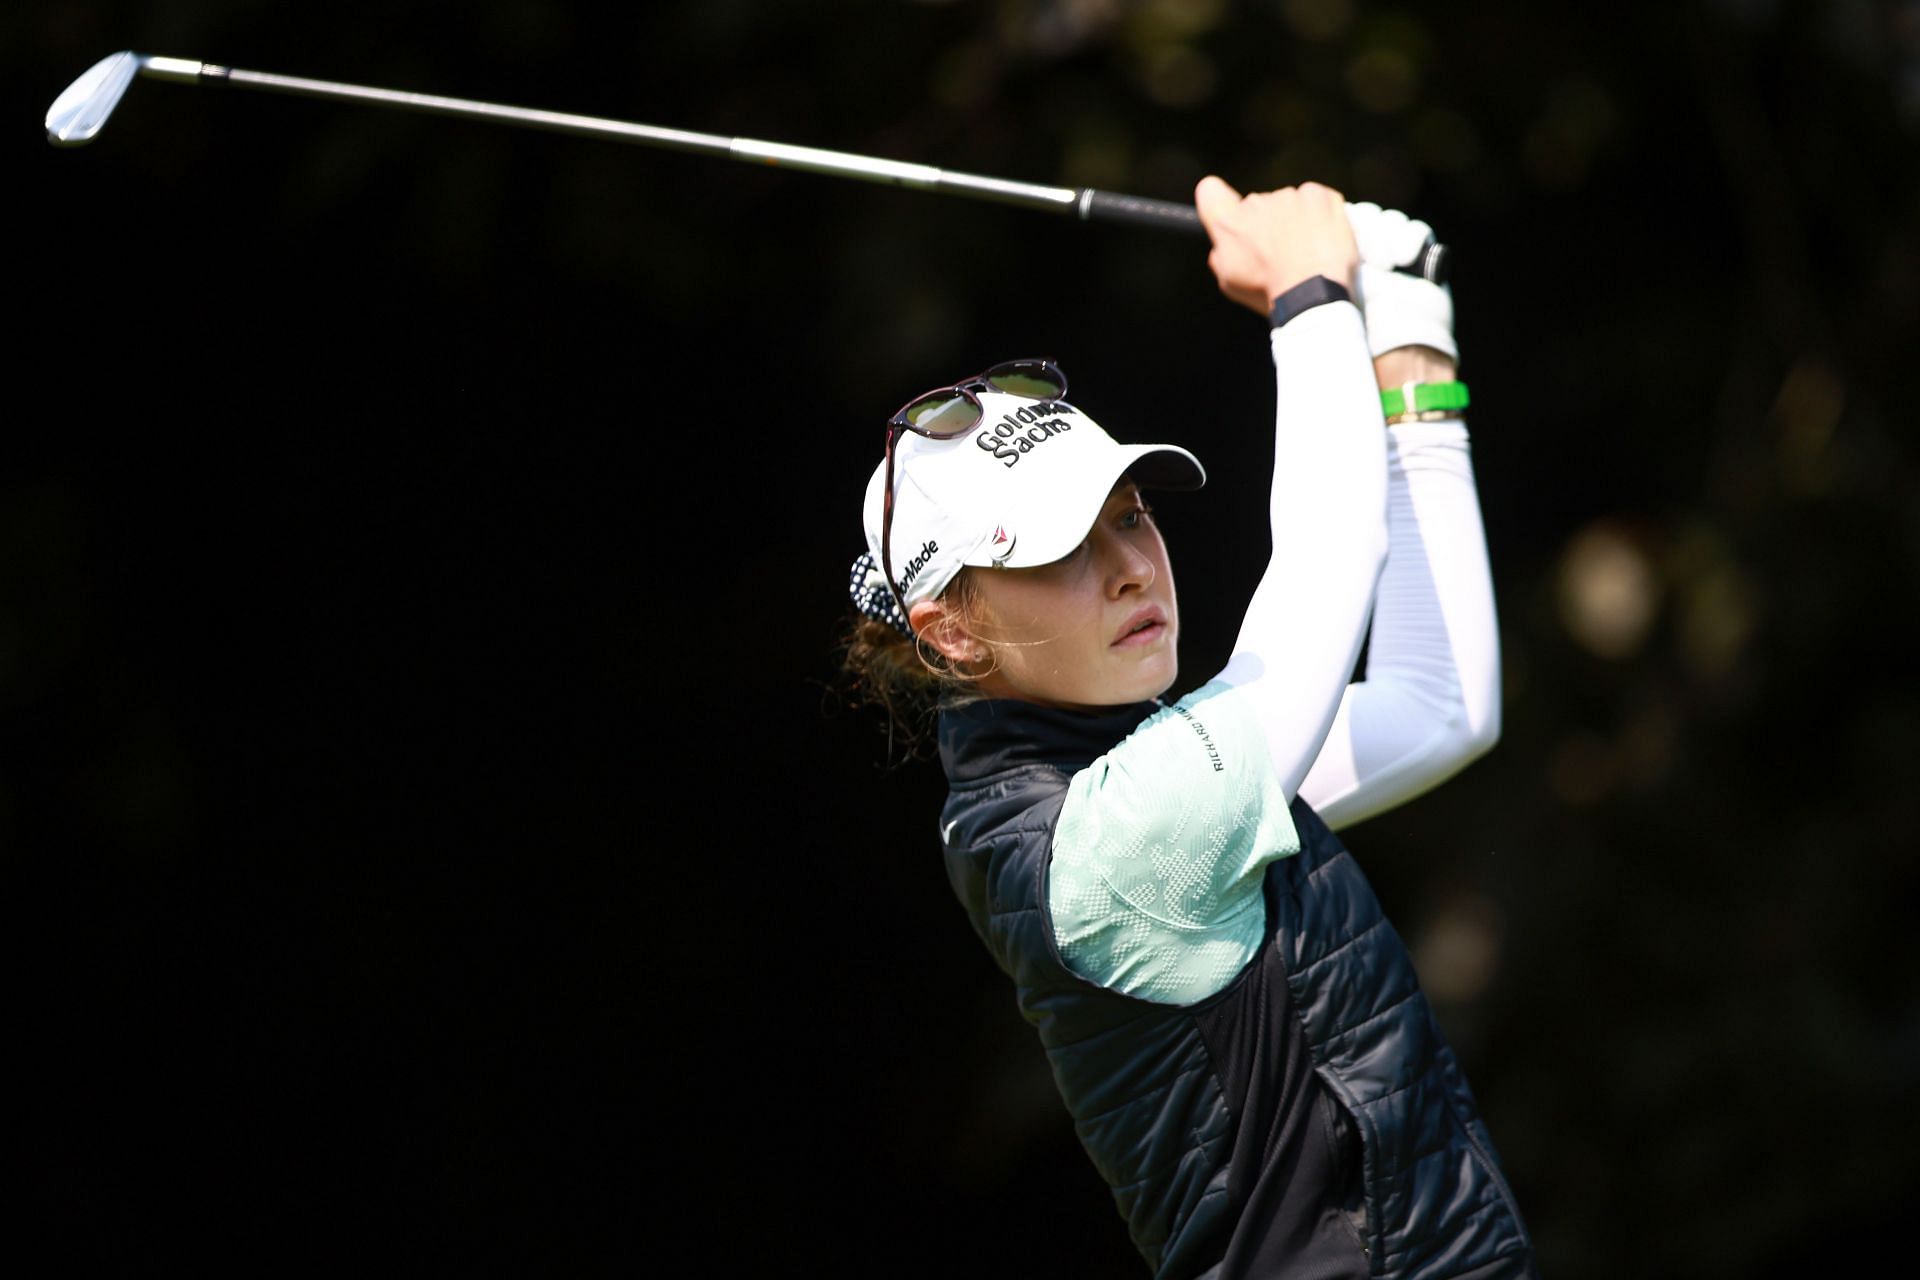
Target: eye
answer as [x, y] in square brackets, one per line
[1134, 517]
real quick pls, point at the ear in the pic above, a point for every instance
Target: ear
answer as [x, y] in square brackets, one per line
[940, 625]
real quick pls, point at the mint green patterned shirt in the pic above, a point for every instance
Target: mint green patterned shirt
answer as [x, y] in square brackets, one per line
[1162, 845]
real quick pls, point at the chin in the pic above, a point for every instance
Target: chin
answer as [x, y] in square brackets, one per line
[1154, 683]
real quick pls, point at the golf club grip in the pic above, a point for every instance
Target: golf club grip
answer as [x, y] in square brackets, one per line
[1107, 206]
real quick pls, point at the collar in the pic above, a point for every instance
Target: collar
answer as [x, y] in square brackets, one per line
[992, 735]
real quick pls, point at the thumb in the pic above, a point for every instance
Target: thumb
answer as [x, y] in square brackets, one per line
[1212, 198]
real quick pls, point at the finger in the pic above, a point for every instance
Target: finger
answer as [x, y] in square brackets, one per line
[1373, 230]
[1212, 198]
[1387, 236]
[1217, 184]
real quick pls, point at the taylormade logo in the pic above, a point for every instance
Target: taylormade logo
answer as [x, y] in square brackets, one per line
[1020, 432]
[915, 565]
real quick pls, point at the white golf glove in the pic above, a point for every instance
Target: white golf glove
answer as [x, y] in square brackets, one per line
[1401, 310]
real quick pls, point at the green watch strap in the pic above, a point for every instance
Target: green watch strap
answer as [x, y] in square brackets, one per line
[1423, 397]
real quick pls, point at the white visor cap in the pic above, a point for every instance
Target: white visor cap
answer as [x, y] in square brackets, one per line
[1018, 490]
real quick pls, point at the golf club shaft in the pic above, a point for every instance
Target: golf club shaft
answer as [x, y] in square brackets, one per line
[1087, 202]
[79, 113]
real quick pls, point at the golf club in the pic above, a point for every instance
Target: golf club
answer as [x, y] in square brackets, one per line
[77, 116]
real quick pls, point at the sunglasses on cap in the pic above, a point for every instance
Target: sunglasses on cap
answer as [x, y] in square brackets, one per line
[947, 412]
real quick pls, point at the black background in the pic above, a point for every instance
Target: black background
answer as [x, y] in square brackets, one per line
[431, 824]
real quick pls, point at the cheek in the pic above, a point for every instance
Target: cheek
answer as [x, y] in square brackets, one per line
[1035, 607]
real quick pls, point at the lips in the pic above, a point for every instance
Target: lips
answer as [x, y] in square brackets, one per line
[1145, 626]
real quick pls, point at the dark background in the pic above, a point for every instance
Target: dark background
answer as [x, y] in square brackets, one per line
[430, 825]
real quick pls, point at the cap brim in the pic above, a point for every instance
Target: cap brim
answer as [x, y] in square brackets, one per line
[1041, 537]
[1165, 466]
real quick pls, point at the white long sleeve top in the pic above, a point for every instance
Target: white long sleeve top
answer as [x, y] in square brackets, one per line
[1163, 843]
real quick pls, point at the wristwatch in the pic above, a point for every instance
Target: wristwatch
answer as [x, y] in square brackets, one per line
[1305, 296]
[1440, 398]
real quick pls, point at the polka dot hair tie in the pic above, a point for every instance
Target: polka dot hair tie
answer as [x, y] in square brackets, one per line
[867, 585]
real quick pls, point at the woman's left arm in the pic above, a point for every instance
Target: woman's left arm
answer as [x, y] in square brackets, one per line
[1430, 702]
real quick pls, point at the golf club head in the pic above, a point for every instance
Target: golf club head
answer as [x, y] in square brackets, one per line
[82, 111]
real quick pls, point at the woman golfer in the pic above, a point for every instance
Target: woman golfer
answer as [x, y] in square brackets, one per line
[1235, 1028]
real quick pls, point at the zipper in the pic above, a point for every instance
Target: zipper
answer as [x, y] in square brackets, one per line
[1346, 1137]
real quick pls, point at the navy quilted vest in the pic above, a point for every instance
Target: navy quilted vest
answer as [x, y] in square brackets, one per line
[1200, 1117]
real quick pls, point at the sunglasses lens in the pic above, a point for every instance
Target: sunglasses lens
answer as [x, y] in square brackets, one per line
[1029, 378]
[942, 414]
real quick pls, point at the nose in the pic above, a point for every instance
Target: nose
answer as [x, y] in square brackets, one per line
[1129, 568]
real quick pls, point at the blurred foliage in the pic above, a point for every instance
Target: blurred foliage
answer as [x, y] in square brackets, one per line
[432, 555]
